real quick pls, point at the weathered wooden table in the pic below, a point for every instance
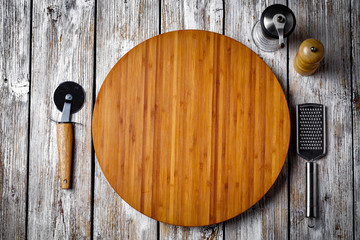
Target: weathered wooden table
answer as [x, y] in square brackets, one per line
[45, 43]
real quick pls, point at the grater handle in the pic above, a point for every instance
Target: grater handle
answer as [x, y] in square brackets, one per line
[311, 190]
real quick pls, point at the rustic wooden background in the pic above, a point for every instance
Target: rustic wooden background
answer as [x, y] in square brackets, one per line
[43, 43]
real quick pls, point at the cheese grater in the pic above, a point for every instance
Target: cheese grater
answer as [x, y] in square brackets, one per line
[311, 145]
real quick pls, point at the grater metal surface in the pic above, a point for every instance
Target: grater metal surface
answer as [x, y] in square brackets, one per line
[311, 134]
[311, 145]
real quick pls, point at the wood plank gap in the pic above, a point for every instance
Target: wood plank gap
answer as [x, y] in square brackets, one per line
[92, 170]
[160, 17]
[288, 155]
[351, 32]
[28, 130]
[158, 230]
[223, 32]
[354, 25]
[223, 224]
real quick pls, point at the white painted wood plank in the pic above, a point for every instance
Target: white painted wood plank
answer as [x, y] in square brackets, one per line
[200, 14]
[62, 50]
[267, 219]
[121, 25]
[204, 15]
[355, 28]
[329, 22]
[14, 110]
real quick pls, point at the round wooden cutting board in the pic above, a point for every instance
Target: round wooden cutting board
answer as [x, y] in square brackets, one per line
[191, 128]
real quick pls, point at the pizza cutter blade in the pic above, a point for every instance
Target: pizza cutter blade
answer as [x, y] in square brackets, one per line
[69, 98]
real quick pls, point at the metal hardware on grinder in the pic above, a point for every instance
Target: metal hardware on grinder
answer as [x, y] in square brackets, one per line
[311, 145]
[69, 98]
[307, 60]
[276, 23]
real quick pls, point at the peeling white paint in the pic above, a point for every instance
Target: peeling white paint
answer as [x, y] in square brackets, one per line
[20, 90]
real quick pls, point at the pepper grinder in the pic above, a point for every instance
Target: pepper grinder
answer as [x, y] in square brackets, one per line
[307, 60]
[276, 23]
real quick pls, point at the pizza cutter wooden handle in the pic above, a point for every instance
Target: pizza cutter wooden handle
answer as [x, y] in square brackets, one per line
[65, 138]
[308, 59]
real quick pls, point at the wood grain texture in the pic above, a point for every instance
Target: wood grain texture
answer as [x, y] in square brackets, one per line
[14, 110]
[199, 14]
[331, 86]
[355, 28]
[65, 140]
[121, 25]
[268, 219]
[203, 15]
[191, 128]
[62, 50]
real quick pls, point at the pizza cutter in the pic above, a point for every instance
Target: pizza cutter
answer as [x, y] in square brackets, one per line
[69, 98]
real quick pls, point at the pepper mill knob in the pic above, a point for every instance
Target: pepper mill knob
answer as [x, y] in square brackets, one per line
[308, 59]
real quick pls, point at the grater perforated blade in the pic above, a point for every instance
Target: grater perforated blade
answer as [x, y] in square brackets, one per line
[311, 133]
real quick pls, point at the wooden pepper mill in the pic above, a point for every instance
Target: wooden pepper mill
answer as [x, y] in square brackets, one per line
[308, 59]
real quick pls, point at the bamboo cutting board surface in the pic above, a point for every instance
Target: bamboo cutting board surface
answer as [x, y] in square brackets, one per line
[191, 128]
